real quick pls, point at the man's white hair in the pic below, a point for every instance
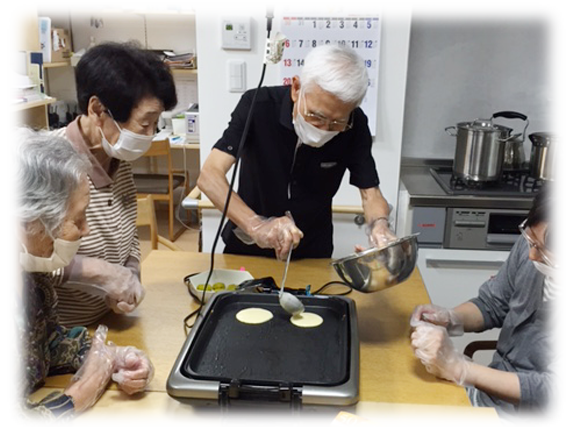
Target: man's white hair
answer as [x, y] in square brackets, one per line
[337, 69]
[49, 171]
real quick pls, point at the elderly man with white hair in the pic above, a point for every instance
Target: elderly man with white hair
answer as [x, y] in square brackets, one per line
[301, 140]
[54, 195]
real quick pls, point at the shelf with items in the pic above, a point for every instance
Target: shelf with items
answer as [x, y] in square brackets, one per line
[33, 114]
[133, 11]
[183, 71]
[56, 64]
[33, 104]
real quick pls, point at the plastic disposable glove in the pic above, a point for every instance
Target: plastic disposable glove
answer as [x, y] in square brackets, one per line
[90, 381]
[434, 348]
[134, 371]
[438, 316]
[379, 234]
[119, 286]
[273, 232]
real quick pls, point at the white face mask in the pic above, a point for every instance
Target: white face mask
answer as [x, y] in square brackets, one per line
[309, 134]
[545, 269]
[63, 253]
[130, 145]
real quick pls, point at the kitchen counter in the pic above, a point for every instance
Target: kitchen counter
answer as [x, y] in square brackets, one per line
[424, 191]
[389, 372]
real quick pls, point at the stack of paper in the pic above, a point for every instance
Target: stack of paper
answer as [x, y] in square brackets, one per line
[21, 88]
[180, 61]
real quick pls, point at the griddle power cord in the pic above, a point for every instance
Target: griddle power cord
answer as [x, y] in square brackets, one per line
[230, 190]
[333, 283]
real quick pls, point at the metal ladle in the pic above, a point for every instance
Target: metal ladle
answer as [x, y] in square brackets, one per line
[288, 301]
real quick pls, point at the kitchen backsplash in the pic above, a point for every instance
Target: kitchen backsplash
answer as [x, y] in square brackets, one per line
[460, 70]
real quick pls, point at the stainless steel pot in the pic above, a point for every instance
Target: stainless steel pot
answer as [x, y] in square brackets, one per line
[379, 268]
[542, 155]
[480, 148]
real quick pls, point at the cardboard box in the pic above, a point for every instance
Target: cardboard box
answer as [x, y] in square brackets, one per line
[61, 45]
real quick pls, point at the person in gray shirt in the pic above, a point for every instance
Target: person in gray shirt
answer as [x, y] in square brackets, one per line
[518, 300]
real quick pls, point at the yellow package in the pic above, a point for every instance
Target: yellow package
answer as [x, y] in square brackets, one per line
[345, 419]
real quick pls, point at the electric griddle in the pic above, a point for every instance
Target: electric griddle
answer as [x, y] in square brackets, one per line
[224, 359]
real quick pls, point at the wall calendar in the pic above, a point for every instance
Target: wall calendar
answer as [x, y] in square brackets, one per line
[360, 32]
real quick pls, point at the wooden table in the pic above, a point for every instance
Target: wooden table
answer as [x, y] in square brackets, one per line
[389, 372]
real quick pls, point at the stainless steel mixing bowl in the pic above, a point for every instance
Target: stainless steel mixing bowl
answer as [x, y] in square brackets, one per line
[379, 268]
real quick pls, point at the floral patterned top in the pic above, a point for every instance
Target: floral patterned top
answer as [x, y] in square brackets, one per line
[38, 347]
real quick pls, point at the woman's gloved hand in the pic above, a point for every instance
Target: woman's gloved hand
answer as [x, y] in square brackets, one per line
[434, 348]
[120, 287]
[90, 381]
[274, 232]
[134, 371]
[437, 315]
[126, 294]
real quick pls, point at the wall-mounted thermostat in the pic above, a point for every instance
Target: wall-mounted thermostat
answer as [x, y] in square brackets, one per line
[236, 33]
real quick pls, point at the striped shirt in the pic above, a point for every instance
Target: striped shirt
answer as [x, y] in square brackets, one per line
[113, 235]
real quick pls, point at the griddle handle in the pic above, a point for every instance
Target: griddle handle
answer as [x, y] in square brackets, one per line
[273, 399]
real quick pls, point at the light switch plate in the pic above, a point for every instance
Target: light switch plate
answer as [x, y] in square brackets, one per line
[236, 33]
[236, 76]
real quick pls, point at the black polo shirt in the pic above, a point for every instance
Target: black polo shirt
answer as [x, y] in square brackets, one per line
[274, 177]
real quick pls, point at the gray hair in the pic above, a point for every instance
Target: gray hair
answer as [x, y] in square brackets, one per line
[49, 171]
[337, 69]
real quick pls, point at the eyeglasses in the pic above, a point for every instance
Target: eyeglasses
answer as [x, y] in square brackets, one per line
[543, 252]
[320, 121]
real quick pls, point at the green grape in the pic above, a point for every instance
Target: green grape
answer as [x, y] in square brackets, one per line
[219, 286]
[232, 287]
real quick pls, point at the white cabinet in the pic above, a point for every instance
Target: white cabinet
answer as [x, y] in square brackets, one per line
[452, 277]
[106, 27]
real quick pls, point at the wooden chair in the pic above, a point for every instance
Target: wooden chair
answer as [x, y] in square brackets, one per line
[161, 186]
[474, 346]
[147, 217]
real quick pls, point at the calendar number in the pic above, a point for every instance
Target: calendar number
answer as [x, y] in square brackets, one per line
[359, 32]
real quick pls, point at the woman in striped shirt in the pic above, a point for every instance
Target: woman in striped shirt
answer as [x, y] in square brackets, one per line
[121, 91]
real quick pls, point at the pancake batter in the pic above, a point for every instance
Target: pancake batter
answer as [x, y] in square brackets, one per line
[307, 320]
[254, 316]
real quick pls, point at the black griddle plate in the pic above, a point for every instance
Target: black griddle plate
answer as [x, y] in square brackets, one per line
[273, 352]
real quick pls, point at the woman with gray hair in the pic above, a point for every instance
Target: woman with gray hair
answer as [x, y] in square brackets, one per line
[302, 138]
[54, 195]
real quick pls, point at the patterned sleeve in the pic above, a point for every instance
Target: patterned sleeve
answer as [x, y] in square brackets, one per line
[67, 346]
[56, 409]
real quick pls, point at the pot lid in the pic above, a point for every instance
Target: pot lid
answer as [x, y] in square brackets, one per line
[480, 125]
[541, 139]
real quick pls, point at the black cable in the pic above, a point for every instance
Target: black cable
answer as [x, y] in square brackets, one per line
[228, 197]
[333, 283]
